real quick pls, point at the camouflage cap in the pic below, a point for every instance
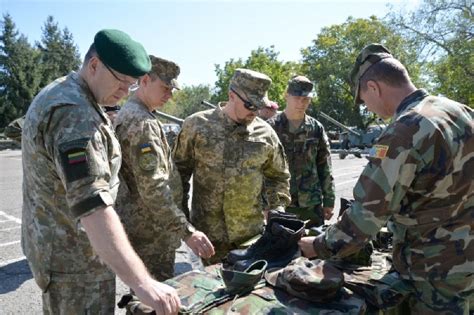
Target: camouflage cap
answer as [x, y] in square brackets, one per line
[166, 70]
[300, 86]
[242, 281]
[254, 85]
[314, 280]
[120, 52]
[369, 55]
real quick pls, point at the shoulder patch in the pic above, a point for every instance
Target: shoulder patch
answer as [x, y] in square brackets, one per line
[147, 159]
[74, 159]
[378, 151]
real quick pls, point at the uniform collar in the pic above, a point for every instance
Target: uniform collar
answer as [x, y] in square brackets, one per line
[414, 97]
[231, 125]
[305, 125]
[88, 93]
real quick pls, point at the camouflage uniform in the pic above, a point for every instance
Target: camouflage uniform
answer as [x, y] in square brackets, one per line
[150, 189]
[71, 160]
[419, 178]
[309, 158]
[228, 162]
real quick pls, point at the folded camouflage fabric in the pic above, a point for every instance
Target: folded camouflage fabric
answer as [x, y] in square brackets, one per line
[312, 280]
[238, 282]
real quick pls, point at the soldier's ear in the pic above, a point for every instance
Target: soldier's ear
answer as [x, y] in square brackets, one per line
[92, 65]
[373, 87]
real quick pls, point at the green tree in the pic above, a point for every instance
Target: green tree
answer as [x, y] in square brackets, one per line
[187, 101]
[20, 75]
[329, 60]
[443, 31]
[264, 60]
[59, 53]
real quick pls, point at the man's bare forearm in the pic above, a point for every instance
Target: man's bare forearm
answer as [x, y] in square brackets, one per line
[110, 242]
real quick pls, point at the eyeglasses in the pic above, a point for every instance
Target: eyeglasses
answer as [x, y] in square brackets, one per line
[131, 86]
[247, 104]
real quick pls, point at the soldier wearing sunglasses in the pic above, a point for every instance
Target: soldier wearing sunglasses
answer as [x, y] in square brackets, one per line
[229, 152]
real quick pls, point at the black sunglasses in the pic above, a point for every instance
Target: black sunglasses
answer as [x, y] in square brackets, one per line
[247, 104]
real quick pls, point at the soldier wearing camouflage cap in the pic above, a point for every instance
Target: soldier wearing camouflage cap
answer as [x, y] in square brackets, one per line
[229, 152]
[71, 234]
[309, 157]
[419, 179]
[150, 193]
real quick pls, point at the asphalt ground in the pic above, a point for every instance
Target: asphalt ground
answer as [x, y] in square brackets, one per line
[19, 293]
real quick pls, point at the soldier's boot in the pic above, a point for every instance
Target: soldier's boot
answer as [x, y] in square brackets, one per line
[241, 254]
[280, 247]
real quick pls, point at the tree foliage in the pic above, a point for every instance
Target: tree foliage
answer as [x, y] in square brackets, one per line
[443, 31]
[187, 101]
[25, 69]
[20, 75]
[59, 54]
[263, 60]
[329, 60]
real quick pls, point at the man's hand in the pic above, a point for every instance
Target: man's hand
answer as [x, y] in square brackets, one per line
[200, 244]
[328, 212]
[306, 246]
[159, 296]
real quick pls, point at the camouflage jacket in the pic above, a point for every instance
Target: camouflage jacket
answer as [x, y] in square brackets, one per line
[150, 187]
[420, 178]
[228, 163]
[71, 161]
[309, 159]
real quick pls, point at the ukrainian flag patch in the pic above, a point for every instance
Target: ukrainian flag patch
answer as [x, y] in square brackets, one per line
[145, 148]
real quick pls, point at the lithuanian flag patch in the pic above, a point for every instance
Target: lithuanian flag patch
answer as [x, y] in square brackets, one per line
[76, 157]
[378, 151]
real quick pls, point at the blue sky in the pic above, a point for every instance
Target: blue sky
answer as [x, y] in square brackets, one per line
[196, 34]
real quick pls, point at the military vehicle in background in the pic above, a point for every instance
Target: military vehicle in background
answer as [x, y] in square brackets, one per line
[353, 140]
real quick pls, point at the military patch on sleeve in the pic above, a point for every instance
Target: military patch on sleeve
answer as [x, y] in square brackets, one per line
[147, 159]
[74, 159]
[378, 151]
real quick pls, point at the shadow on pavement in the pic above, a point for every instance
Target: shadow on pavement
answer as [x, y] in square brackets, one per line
[13, 275]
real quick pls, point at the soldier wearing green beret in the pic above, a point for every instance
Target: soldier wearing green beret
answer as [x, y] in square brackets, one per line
[309, 157]
[419, 180]
[229, 152]
[150, 193]
[71, 234]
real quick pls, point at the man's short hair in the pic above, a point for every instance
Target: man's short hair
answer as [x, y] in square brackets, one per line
[389, 70]
[90, 53]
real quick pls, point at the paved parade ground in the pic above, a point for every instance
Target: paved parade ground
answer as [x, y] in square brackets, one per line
[18, 291]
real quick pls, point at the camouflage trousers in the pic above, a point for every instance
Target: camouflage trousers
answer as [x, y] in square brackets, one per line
[451, 296]
[314, 214]
[71, 298]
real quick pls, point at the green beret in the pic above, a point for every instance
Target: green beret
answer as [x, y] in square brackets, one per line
[120, 52]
